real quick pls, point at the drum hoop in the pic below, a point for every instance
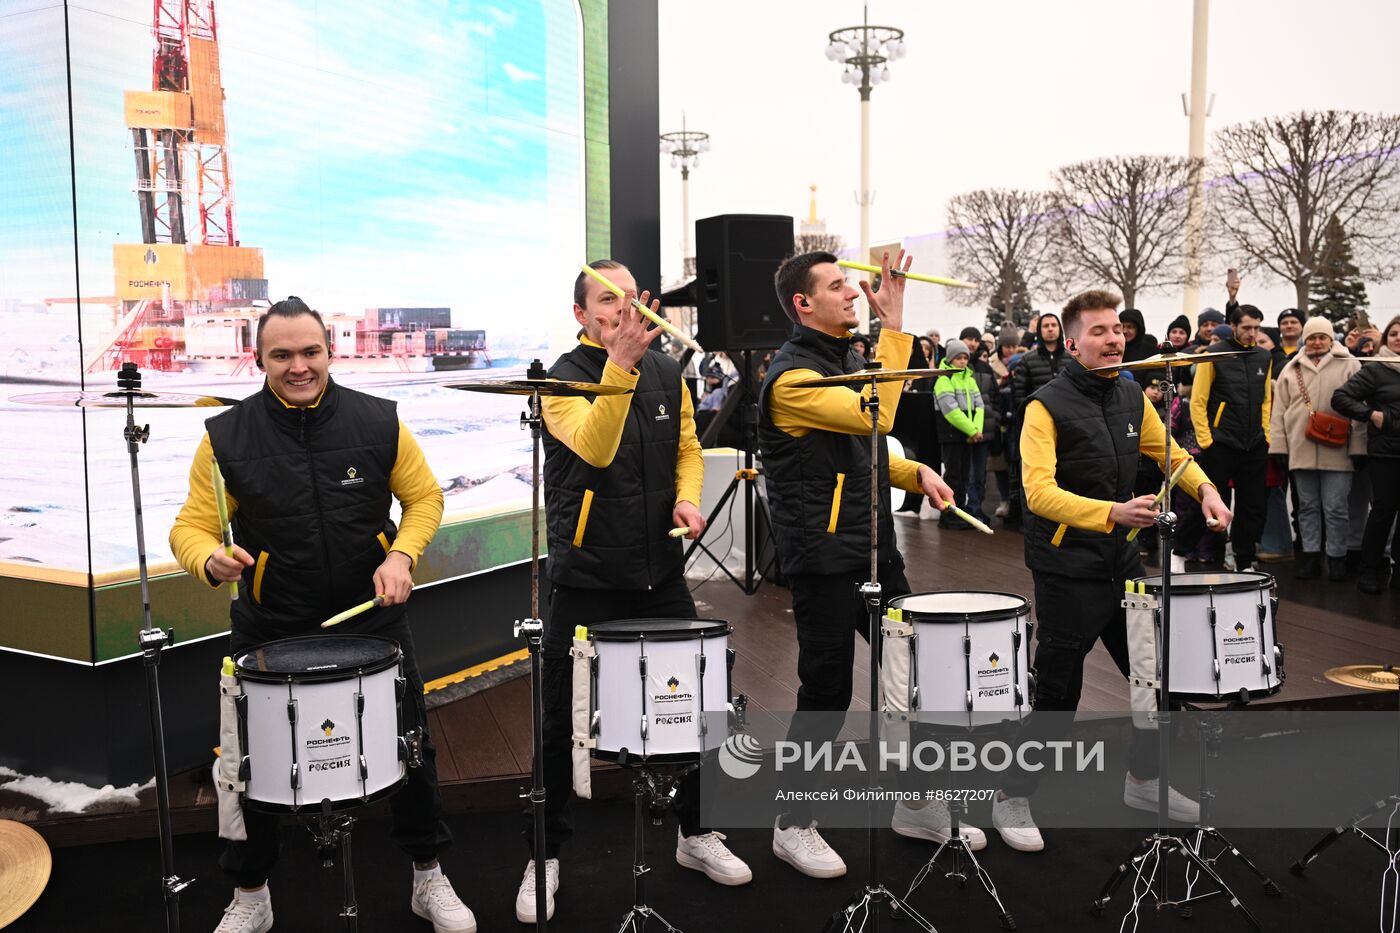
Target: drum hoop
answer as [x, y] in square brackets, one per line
[337, 806]
[602, 631]
[332, 675]
[944, 618]
[1251, 581]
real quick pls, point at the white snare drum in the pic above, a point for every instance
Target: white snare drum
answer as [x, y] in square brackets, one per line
[653, 681]
[320, 719]
[969, 650]
[1223, 634]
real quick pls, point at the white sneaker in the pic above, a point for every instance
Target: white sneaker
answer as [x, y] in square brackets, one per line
[803, 848]
[708, 853]
[1143, 796]
[932, 822]
[1012, 818]
[525, 898]
[1003, 509]
[435, 901]
[246, 914]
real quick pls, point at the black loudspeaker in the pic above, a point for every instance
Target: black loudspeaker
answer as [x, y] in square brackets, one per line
[736, 256]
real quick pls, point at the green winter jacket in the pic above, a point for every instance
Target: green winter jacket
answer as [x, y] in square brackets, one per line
[959, 400]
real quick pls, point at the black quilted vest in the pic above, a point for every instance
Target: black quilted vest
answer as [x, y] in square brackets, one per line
[1234, 409]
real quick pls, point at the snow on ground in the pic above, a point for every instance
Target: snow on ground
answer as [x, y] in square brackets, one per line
[71, 797]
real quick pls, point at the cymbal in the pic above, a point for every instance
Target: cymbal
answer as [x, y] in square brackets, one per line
[865, 376]
[117, 399]
[1365, 676]
[1165, 360]
[542, 386]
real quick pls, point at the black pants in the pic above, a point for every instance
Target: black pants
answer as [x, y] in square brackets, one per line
[829, 610]
[1071, 615]
[571, 606]
[418, 828]
[1385, 503]
[1245, 469]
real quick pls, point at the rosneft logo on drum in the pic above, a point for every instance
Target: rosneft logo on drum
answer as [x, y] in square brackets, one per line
[994, 659]
[673, 683]
[327, 726]
[1239, 628]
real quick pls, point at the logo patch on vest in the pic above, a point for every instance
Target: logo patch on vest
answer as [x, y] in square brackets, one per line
[351, 479]
[1132, 431]
[661, 414]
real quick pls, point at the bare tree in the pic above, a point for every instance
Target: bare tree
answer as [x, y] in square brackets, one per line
[817, 243]
[999, 239]
[1284, 179]
[1120, 221]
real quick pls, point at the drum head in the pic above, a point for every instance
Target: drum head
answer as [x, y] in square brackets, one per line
[658, 629]
[317, 657]
[1212, 582]
[959, 606]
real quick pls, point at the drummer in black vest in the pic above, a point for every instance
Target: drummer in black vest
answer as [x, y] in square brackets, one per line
[816, 460]
[620, 473]
[311, 469]
[1081, 438]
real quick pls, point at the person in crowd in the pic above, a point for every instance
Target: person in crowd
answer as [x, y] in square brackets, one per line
[861, 344]
[929, 348]
[1271, 339]
[1321, 473]
[1038, 366]
[962, 432]
[999, 462]
[1206, 323]
[1290, 329]
[915, 424]
[1221, 334]
[935, 348]
[1373, 396]
[310, 544]
[1138, 343]
[1230, 409]
[1179, 341]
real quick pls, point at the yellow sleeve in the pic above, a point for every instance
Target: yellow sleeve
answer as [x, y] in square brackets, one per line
[797, 411]
[690, 459]
[196, 533]
[1200, 399]
[1043, 495]
[1269, 403]
[1152, 442]
[904, 474]
[592, 429]
[413, 484]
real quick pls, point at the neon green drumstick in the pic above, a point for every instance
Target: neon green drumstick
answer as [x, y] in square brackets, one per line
[365, 606]
[915, 276]
[979, 525]
[221, 500]
[643, 310]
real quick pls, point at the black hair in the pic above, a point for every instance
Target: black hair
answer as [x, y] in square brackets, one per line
[794, 277]
[291, 306]
[581, 283]
[1244, 311]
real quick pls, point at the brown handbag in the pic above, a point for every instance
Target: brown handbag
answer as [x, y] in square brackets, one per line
[1323, 427]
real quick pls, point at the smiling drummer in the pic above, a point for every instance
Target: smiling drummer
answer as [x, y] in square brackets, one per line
[311, 468]
[620, 473]
[1081, 438]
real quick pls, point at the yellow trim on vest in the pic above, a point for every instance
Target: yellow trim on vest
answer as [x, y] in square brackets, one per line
[258, 576]
[383, 541]
[583, 517]
[1219, 413]
[835, 504]
[1059, 535]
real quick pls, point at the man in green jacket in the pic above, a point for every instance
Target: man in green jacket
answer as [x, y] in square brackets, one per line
[960, 433]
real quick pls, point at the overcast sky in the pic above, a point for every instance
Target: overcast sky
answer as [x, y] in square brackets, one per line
[990, 94]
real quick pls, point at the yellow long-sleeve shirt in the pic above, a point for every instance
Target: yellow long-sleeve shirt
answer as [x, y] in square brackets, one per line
[196, 533]
[796, 411]
[1201, 382]
[1045, 497]
[592, 430]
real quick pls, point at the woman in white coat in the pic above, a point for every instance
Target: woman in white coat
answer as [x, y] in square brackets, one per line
[1321, 472]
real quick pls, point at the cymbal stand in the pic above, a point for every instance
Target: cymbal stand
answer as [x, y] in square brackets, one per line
[862, 911]
[329, 831]
[152, 640]
[1148, 861]
[533, 631]
[652, 793]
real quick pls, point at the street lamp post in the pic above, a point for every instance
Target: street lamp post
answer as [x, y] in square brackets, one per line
[684, 148]
[866, 51]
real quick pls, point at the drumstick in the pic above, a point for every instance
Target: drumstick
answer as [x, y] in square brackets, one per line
[644, 311]
[227, 532]
[980, 526]
[916, 276]
[1162, 494]
[351, 613]
[680, 532]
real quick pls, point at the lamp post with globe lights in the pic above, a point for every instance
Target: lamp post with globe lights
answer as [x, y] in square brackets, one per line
[684, 147]
[866, 52]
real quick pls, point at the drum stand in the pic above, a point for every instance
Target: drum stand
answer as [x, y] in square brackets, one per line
[1148, 861]
[152, 641]
[651, 794]
[533, 631]
[329, 831]
[862, 911]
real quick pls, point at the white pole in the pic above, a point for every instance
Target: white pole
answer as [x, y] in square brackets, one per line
[686, 255]
[864, 255]
[1195, 212]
